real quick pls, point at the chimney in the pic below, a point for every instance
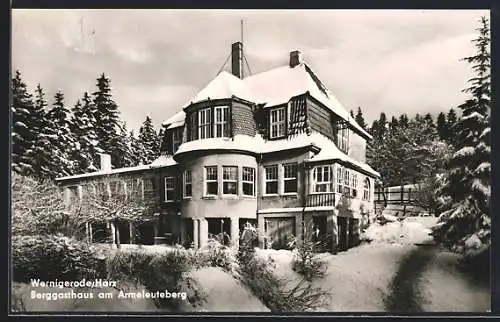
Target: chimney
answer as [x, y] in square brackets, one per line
[105, 162]
[237, 59]
[295, 58]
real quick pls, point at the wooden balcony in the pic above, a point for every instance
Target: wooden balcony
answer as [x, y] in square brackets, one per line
[320, 199]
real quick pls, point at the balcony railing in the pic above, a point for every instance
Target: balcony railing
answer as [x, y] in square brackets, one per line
[320, 199]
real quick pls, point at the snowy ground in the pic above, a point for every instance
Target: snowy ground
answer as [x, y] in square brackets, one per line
[362, 278]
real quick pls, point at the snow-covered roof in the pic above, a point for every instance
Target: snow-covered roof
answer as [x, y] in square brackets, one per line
[273, 87]
[224, 85]
[329, 151]
[177, 117]
[161, 161]
[256, 144]
[176, 124]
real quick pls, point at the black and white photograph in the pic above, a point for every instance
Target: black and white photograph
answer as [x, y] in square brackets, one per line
[204, 161]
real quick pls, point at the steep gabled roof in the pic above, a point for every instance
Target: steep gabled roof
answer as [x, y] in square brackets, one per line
[273, 87]
[225, 85]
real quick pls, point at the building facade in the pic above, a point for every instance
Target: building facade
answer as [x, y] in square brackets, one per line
[275, 149]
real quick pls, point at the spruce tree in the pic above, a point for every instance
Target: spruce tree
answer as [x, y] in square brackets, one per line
[442, 127]
[23, 134]
[360, 119]
[107, 118]
[149, 140]
[138, 152]
[65, 147]
[403, 120]
[82, 128]
[451, 120]
[45, 138]
[121, 148]
[465, 223]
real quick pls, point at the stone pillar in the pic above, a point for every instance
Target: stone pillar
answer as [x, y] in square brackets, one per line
[332, 228]
[261, 230]
[299, 228]
[203, 232]
[195, 233]
[235, 232]
[183, 231]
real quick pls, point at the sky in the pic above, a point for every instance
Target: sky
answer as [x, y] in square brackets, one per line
[392, 61]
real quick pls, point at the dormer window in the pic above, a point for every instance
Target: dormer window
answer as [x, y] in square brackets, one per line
[205, 123]
[343, 138]
[221, 126]
[176, 139]
[277, 123]
[213, 122]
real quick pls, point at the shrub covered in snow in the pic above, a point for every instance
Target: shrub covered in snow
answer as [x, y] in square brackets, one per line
[275, 292]
[404, 232]
[54, 257]
[215, 254]
[306, 263]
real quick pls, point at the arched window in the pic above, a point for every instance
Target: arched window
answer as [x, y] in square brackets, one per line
[366, 189]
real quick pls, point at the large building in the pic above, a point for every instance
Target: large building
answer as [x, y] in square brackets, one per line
[275, 149]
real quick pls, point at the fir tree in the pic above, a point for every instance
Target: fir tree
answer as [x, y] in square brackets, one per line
[138, 151]
[442, 127]
[45, 138]
[121, 148]
[82, 128]
[403, 120]
[107, 118]
[23, 134]
[149, 140]
[465, 223]
[65, 146]
[451, 120]
[360, 119]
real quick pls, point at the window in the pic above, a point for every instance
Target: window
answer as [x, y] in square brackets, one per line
[169, 189]
[205, 123]
[277, 123]
[340, 178]
[343, 138]
[221, 121]
[188, 190]
[248, 181]
[211, 181]
[271, 179]
[148, 184]
[230, 180]
[366, 189]
[354, 185]
[193, 127]
[346, 183]
[323, 179]
[290, 178]
[176, 139]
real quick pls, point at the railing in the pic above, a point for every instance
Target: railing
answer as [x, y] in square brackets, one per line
[320, 199]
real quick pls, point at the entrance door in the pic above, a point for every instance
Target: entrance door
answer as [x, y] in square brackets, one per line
[343, 233]
[319, 233]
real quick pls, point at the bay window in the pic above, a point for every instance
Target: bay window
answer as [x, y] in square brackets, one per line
[229, 180]
[277, 122]
[347, 184]
[354, 185]
[271, 179]
[322, 177]
[248, 181]
[211, 185]
[340, 179]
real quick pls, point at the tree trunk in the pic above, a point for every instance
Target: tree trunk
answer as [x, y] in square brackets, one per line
[117, 232]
